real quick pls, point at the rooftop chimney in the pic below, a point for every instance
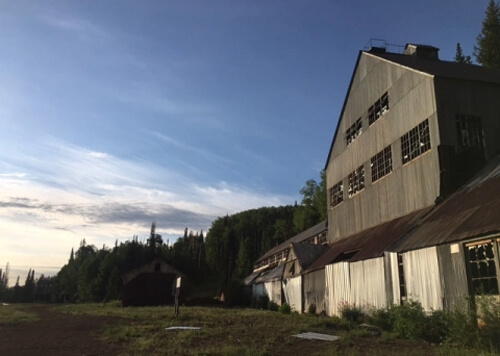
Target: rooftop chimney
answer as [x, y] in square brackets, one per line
[422, 51]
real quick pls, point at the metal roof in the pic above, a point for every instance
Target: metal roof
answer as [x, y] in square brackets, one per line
[307, 253]
[443, 69]
[473, 211]
[370, 243]
[304, 235]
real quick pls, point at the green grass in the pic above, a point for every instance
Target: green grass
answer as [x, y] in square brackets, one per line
[15, 314]
[141, 331]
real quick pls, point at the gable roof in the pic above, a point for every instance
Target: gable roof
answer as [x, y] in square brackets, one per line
[304, 235]
[435, 67]
[370, 243]
[472, 211]
[307, 253]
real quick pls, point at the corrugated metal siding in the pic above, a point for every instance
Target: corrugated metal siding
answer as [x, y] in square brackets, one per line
[454, 276]
[392, 278]
[314, 290]
[368, 287]
[423, 279]
[338, 285]
[292, 290]
[273, 291]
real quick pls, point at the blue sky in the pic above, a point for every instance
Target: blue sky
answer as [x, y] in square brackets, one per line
[114, 114]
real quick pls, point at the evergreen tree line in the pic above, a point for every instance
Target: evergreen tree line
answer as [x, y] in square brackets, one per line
[487, 48]
[225, 254]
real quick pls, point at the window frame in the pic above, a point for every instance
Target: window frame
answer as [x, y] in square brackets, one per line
[415, 142]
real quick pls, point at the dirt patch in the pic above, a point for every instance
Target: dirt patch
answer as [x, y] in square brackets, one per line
[56, 334]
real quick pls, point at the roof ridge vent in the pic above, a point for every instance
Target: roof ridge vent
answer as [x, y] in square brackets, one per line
[421, 51]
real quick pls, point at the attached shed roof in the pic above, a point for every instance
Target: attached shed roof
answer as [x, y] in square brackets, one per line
[370, 243]
[307, 253]
[270, 274]
[473, 211]
[304, 235]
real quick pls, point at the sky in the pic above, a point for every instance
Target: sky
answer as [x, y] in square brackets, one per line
[115, 114]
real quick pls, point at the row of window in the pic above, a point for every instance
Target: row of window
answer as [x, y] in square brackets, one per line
[379, 108]
[413, 144]
[469, 131]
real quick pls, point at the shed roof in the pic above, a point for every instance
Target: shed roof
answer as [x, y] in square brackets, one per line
[304, 235]
[307, 253]
[369, 243]
[270, 274]
[473, 211]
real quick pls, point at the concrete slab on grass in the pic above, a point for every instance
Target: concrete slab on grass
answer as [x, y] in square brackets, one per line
[317, 336]
[183, 328]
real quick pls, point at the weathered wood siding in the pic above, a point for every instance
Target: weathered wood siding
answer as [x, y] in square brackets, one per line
[423, 278]
[410, 187]
[469, 98]
[292, 290]
[314, 290]
[454, 275]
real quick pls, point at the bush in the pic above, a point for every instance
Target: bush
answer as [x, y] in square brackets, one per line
[436, 328]
[311, 309]
[381, 319]
[272, 306]
[260, 302]
[285, 309]
[352, 314]
[462, 324]
[489, 313]
[408, 320]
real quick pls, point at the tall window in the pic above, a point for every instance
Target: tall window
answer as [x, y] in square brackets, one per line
[378, 109]
[336, 194]
[354, 131]
[381, 164]
[402, 282]
[483, 271]
[356, 181]
[469, 131]
[415, 142]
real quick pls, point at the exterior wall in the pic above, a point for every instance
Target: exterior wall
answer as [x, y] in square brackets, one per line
[392, 277]
[314, 290]
[469, 98]
[423, 278]
[292, 290]
[368, 284]
[410, 187]
[454, 275]
[338, 285]
[273, 290]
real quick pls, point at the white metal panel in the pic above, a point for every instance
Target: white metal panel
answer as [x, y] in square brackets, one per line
[273, 290]
[422, 276]
[338, 287]
[292, 288]
[258, 290]
[368, 283]
[395, 298]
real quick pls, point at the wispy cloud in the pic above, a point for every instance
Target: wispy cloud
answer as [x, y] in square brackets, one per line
[84, 29]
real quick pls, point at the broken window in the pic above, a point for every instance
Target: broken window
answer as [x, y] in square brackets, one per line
[354, 131]
[356, 181]
[402, 282]
[482, 266]
[378, 109]
[344, 256]
[157, 267]
[381, 164]
[336, 194]
[415, 142]
[469, 131]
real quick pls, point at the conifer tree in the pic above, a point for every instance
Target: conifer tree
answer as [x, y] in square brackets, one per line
[459, 56]
[487, 49]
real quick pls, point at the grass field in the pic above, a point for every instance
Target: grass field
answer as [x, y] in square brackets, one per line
[15, 314]
[141, 331]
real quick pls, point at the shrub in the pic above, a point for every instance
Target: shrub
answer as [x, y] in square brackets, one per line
[260, 302]
[436, 328]
[489, 313]
[352, 313]
[285, 309]
[408, 320]
[272, 306]
[463, 331]
[311, 309]
[381, 319]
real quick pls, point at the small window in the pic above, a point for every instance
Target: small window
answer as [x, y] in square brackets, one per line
[378, 109]
[356, 181]
[482, 266]
[415, 142]
[344, 256]
[469, 131]
[157, 267]
[354, 131]
[336, 194]
[381, 164]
